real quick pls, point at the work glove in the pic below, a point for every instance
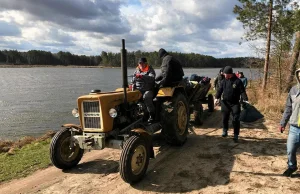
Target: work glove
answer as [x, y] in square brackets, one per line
[281, 129]
[157, 84]
[138, 75]
[217, 102]
[245, 104]
[131, 87]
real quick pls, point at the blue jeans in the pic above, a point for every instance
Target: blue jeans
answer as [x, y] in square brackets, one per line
[293, 143]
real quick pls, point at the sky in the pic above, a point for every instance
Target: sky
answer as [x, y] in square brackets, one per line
[88, 27]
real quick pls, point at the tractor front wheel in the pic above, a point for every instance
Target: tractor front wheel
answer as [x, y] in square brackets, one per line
[134, 159]
[64, 153]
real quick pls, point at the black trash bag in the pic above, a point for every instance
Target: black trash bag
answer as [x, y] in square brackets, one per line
[249, 113]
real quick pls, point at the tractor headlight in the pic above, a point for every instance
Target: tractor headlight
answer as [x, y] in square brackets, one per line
[113, 113]
[75, 112]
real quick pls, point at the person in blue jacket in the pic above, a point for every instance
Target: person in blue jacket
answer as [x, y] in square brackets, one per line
[243, 79]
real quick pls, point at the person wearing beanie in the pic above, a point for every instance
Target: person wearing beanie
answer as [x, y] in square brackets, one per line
[143, 80]
[231, 90]
[218, 80]
[162, 52]
[171, 69]
[228, 70]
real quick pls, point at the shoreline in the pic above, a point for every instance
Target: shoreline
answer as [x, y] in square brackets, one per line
[7, 146]
[100, 66]
[50, 66]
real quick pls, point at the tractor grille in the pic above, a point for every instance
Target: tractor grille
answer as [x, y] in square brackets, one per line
[91, 114]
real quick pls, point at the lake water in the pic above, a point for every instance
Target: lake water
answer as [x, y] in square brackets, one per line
[36, 100]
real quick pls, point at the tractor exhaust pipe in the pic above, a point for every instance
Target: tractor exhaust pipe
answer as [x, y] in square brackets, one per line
[124, 71]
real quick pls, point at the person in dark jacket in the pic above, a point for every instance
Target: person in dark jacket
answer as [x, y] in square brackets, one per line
[143, 80]
[171, 69]
[231, 90]
[292, 115]
[219, 79]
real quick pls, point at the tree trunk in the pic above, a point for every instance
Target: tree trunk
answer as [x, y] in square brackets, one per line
[294, 61]
[279, 71]
[266, 67]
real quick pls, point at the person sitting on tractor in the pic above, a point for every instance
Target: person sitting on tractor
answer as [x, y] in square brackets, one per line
[171, 69]
[143, 80]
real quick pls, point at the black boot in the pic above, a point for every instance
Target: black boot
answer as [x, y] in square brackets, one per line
[151, 117]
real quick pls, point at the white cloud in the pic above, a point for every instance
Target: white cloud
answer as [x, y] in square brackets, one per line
[89, 27]
[233, 32]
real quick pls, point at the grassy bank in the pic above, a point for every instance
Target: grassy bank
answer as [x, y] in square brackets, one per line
[22, 157]
[270, 102]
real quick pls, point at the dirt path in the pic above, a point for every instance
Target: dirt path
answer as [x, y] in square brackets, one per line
[207, 163]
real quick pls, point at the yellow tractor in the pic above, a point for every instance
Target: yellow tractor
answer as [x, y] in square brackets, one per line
[117, 120]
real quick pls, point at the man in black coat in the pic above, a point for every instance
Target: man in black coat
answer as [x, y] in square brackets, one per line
[232, 90]
[171, 69]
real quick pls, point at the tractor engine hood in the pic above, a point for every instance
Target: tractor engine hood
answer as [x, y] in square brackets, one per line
[99, 105]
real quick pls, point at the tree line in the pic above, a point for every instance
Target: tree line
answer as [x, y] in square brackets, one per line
[38, 57]
[109, 59]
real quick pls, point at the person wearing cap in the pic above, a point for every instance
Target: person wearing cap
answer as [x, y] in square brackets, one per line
[219, 79]
[143, 80]
[231, 90]
[292, 115]
[171, 69]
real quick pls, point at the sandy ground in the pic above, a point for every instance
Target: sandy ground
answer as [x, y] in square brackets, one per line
[206, 163]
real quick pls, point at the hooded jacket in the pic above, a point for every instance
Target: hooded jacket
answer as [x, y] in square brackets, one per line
[171, 70]
[146, 83]
[232, 90]
[218, 81]
[292, 106]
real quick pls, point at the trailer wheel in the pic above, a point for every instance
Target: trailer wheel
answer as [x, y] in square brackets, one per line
[175, 120]
[210, 102]
[134, 159]
[198, 113]
[62, 154]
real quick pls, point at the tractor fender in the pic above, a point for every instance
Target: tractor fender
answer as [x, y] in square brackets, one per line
[142, 133]
[169, 91]
[78, 127]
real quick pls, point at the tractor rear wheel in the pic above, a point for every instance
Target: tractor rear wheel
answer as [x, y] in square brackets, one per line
[175, 119]
[134, 159]
[63, 154]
